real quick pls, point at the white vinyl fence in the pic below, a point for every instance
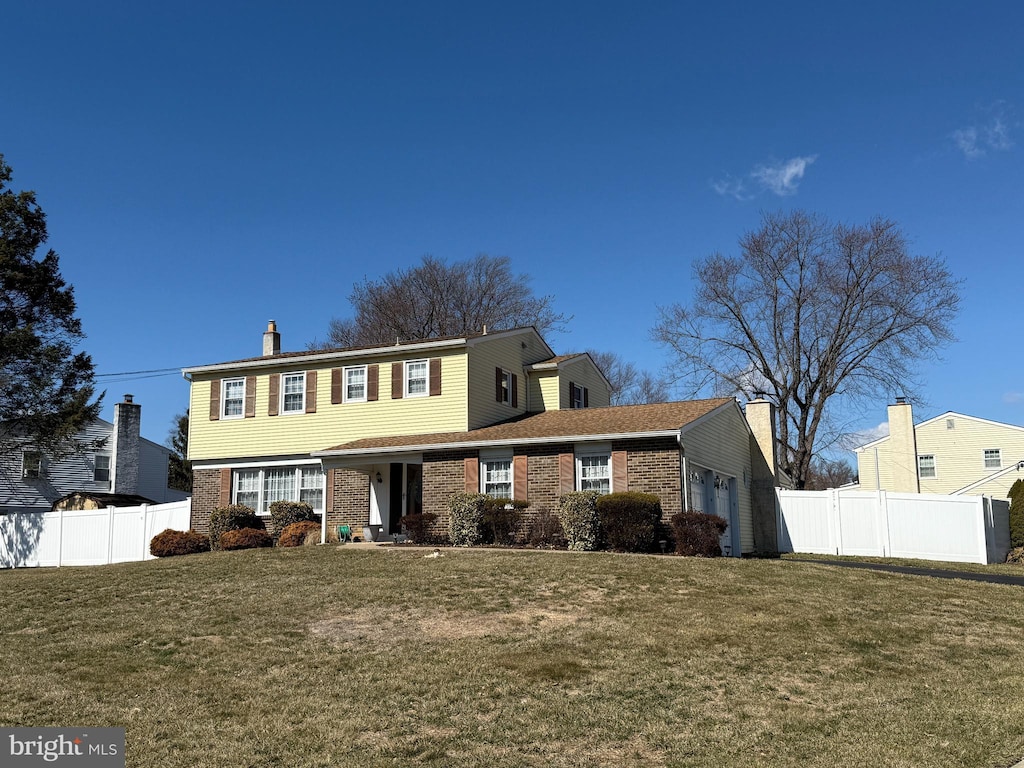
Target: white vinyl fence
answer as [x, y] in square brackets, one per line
[88, 536]
[968, 529]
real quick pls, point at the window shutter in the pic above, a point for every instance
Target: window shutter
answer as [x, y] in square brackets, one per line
[515, 391]
[215, 400]
[620, 476]
[499, 379]
[335, 386]
[566, 473]
[472, 475]
[329, 493]
[250, 397]
[225, 488]
[372, 376]
[397, 371]
[310, 391]
[571, 387]
[586, 397]
[435, 376]
[274, 394]
[520, 477]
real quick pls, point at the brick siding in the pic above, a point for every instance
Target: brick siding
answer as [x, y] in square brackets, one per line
[205, 498]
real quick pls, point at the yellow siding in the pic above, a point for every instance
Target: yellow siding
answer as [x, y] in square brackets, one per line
[507, 353]
[866, 467]
[544, 391]
[722, 444]
[331, 424]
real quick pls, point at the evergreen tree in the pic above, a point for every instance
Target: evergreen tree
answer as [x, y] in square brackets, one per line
[179, 476]
[48, 391]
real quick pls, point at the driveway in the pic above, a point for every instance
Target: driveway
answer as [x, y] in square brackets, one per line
[938, 573]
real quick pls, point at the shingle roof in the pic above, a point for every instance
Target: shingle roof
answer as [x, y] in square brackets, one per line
[550, 425]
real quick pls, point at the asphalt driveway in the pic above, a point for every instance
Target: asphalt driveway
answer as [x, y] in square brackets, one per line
[938, 573]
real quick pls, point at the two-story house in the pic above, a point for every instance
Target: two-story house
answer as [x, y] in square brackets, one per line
[118, 466]
[367, 435]
[949, 454]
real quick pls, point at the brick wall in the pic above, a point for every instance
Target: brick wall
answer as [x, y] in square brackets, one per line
[653, 466]
[205, 497]
[350, 500]
[444, 474]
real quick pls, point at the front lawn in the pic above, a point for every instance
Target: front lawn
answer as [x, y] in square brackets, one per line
[338, 656]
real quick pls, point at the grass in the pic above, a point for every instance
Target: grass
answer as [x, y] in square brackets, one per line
[335, 656]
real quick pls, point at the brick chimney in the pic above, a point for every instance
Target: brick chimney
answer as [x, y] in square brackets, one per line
[903, 448]
[761, 418]
[764, 470]
[271, 340]
[124, 470]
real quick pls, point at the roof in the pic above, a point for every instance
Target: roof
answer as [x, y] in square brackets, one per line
[653, 420]
[437, 342]
[107, 499]
[946, 415]
[555, 363]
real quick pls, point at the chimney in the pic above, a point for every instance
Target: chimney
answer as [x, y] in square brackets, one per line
[271, 340]
[764, 471]
[761, 418]
[902, 448]
[124, 470]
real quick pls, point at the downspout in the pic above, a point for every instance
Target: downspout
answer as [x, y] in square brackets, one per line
[685, 479]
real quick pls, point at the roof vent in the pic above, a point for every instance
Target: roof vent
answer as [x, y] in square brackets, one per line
[901, 400]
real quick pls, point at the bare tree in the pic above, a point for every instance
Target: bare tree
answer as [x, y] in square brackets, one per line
[816, 314]
[439, 299]
[829, 473]
[629, 385]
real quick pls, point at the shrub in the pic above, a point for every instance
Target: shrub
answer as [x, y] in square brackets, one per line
[418, 527]
[297, 534]
[232, 518]
[1015, 555]
[545, 531]
[466, 514]
[697, 533]
[284, 513]
[577, 512]
[169, 543]
[1017, 520]
[629, 520]
[502, 519]
[245, 538]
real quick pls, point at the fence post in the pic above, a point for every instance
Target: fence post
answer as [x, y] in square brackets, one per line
[979, 514]
[60, 538]
[883, 522]
[145, 529]
[110, 534]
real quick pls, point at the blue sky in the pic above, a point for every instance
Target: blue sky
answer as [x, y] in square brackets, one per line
[208, 166]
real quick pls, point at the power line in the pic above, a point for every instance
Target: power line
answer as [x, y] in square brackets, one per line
[161, 371]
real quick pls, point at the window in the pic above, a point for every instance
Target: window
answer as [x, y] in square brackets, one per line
[593, 473]
[926, 466]
[261, 487]
[578, 396]
[101, 468]
[505, 387]
[496, 478]
[31, 465]
[416, 378]
[355, 384]
[293, 393]
[233, 398]
[993, 458]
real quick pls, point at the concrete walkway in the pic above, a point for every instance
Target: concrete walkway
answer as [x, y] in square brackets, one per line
[938, 573]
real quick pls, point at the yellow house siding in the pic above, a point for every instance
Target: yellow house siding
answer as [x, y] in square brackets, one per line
[545, 394]
[866, 467]
[959, 452]
[507, 353]
[332, 424]
[722, 443]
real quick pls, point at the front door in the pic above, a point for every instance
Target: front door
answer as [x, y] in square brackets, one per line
[396, 481]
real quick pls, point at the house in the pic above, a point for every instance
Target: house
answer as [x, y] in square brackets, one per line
[124, 463]
[368, 435]
[949, 454]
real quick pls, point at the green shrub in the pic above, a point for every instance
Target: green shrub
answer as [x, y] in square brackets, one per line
[465, 518]
[545, 531]
[232, 518]
[502, 520]
[1017, 520]
[297, 534]
[419, 527]
[245, 538]
[169, 543]
[1016, 488]
[697, 534]
[629, 520]
[577, 512]
[284, 513]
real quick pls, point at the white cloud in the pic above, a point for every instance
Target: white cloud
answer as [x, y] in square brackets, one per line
[783, 178]
[780, 178]
[991, 133]
[865, 436]
[967, 141]
[1013, 397]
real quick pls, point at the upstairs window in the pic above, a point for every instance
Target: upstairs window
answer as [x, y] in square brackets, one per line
[496, 478]
[31, 465]
[993, 458]
[579, 397]
[233, 398]
[101, 468]
[416, 378]
[926, 465]
[293, 393]
[355, 384]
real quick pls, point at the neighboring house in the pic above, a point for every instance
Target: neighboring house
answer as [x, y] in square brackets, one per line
[368, 435]
[124, 463]
[950, 454]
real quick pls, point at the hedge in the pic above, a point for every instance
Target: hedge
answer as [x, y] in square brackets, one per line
[169, 543]
[232, 518]
[697, 534]
[577, 512]
[245, 538]
[629, 520]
